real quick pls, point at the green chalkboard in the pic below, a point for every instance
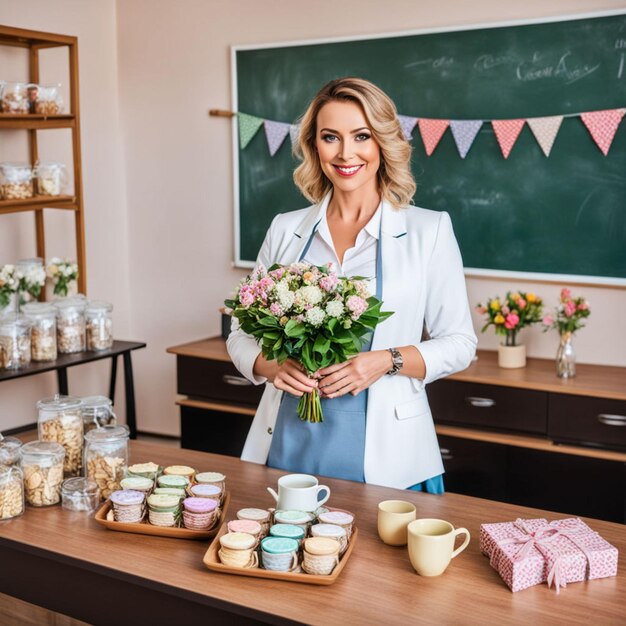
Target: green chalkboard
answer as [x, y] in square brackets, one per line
[562, 214]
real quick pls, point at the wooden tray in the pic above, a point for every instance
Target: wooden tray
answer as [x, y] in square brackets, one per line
[145, 528]
[212, 561]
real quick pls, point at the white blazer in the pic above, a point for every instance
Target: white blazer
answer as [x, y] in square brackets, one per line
[424, 285]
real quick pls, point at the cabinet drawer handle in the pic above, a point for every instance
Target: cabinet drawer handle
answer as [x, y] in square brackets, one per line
[612, 420]
[480, 402]
[445, 454]
[237, 381]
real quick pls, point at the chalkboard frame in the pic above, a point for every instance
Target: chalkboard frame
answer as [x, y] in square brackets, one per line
[469, 271]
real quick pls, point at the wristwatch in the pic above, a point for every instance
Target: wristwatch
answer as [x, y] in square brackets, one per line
[398, 361]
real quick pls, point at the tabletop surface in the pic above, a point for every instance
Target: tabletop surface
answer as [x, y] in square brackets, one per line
[378, 584]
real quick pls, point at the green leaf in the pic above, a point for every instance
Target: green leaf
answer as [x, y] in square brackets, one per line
[322, 344]
[294, 329]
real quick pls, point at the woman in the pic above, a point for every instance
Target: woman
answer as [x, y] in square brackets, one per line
[377, 423]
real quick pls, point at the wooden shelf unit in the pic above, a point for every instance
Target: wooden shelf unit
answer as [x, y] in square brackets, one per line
[35, 41]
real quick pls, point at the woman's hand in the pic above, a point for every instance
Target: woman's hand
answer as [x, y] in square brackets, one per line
[291, 377]
[354, 375]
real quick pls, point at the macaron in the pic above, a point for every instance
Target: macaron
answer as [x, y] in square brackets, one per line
[289, 531]
[244, 526]
[321, 546]
[173, 480]
[237, 541]
[199, 505]
[279, 545]
[206, 491]
[127, 497]
[210, 477]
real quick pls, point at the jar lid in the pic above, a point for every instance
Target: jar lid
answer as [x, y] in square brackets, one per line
[69, 304]
[171, 491]
[258, 515]
[9, 450]
[42, 449]
[107, 433]
[79, 487]
[136, 482]
[38, 309]
[29, 263]
[199, 505]
[243, 526]
[172, 481]
[210, 477]
[96, 402]
[163, 501]
[336, 517]
[179, 470]
[127, 497]
[206, 491]
[295, 517]
[143, 468]
[279, 545]
[10, 323]
[287, 530]
[322, 546]
[237, 541]
[59, 403]
[328, 530]
[98, 306]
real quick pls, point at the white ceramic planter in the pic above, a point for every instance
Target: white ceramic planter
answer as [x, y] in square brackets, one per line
[511, 357]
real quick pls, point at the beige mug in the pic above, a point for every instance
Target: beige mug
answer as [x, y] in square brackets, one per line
[431, 545]
[393, 518]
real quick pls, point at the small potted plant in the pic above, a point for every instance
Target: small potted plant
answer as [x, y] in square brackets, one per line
[63, 274]
[508, 316]
[567, 319]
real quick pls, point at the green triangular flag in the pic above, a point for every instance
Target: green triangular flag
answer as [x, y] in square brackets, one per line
[248, 127]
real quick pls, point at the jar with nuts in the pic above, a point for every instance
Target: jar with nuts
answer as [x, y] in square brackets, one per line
[70, 325]
[43, 334]
[51, 178]
[15, 347]
[97, 411]
[14, 98]
[60, 420]
[11, 492]
[48, 100]
[9, 451]
[99, 325]
[106, 457]
[16, 181]
[42, 465]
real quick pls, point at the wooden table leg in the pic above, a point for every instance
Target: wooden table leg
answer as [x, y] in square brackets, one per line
[129, 387]
[62, 379]
[113, 378]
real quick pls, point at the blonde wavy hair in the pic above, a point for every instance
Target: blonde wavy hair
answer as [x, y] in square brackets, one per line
[395, 179]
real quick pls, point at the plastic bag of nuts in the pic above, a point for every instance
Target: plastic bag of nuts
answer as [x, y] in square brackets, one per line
[42, 464]
[43, 333]
[16, 181]
[60, 420]
[11, 492]
[106, 457]
[48, 100]
[70, 325]
[99, 325]
[51, 178]
[14, 98]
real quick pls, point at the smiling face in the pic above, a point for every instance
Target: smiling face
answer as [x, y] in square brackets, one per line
[348, 153]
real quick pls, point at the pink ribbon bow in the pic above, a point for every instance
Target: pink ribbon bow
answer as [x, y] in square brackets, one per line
[544, 539]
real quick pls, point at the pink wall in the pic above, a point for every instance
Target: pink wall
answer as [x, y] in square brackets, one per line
[158, 170]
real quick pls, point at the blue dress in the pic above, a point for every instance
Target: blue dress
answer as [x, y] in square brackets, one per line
[336, 446]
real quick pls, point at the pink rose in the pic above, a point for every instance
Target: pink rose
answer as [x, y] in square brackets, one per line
[276, 309]
[583, 306]
[521, 303]
[278, 273]
[246, 297]
[511, 321]
[548, 320]
[356, 305]
[505, 310]
[328, 283]
[565, 293]
[569, 308]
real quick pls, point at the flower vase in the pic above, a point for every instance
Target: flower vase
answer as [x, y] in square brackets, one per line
[510, 357]
[566, 357]
[72, 290]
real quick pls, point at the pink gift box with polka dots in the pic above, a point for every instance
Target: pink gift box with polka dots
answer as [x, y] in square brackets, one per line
[534, 551]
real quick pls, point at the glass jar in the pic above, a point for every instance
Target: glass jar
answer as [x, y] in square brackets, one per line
[48, 100]
[16, 181]
[14, 98]
[97, 411]
[9, 452]
[42, 465]
[43, 334]
[11, 492]
[14, 342]
[99, 325]
[51, 178]
[70, 325]
[60, 420]
[80, 494]
[106, 457]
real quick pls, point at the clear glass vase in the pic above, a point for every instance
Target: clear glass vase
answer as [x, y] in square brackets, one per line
[566, 357]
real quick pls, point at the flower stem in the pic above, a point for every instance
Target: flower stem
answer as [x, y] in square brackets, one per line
[310, 408]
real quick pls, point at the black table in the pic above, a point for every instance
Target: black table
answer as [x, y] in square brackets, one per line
[60, 365]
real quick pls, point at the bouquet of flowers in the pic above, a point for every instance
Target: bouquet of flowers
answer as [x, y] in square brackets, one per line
[62, 273]
[9, 284]
[509, 316]
[309, 314]
[568, 315]
[32, 278]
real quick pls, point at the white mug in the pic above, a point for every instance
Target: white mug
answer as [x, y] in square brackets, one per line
[299, 492]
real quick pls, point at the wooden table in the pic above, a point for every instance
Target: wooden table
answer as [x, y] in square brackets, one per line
[67, 563]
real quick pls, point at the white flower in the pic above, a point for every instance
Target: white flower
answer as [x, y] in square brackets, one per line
[315, 316]
[286, 298]
[334, 308]
[311, 294]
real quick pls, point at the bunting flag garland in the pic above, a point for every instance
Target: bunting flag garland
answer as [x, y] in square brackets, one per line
[545, 130]
[464, 133]
[603, 125]
[275, 133]
[507, 132]
[248, 127]
[432, 131]
[294, 133]
[407, 124]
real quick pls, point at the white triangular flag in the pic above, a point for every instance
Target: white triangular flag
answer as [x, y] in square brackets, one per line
[545, 130]
[294, 133]
[275, 132]
[407, 124]
[464, 133]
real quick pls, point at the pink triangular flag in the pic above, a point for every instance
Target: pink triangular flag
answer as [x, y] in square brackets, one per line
[507, 132]
[603, 125]
[432, 131]
[407, 124]
[275, 132]
[545, 130]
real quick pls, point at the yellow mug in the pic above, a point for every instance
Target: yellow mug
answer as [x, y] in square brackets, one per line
[393, 518]
[431, 545]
